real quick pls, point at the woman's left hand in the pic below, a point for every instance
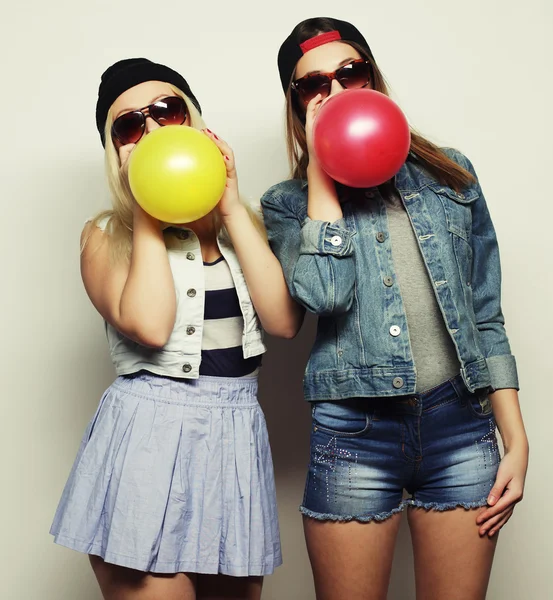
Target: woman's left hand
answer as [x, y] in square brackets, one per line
[230, 199]
[507, 491]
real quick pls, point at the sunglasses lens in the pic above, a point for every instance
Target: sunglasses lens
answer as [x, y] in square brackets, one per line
[169, 111]
[354, 75]
[309, 87]
[128, 128]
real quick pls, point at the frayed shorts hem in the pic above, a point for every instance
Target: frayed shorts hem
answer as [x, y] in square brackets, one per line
[383, 516]
[443, 506]
[186, 566]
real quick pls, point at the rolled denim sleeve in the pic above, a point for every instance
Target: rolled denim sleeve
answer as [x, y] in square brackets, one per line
[486, 292]
[316, 256]
[320, 237]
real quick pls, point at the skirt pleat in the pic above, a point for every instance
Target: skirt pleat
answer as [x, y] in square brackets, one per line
[175, 476]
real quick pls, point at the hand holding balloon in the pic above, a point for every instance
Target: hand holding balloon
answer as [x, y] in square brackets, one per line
[177, 174]
[361, 138]
[311, 111]
[230, 198]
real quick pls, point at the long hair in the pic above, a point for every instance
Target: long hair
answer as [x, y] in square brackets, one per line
[429, 156]
[119, 219]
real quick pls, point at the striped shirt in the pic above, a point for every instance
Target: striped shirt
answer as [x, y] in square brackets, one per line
[222, 354]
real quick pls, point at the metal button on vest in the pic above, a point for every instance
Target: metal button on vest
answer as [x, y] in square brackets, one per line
[191, 293]
[190, 255]
[388, 281]
[335, 240]
[381, 237]
[187, 367]
[182, 234]
[190, 330]
[398, 382]
[395, 330]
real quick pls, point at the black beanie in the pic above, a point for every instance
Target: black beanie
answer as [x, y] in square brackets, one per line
[291, 50]
[127, 73]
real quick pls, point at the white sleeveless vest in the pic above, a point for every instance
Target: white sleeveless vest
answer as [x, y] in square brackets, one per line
[181, 356]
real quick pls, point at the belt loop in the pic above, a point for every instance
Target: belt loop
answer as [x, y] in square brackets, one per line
[458, 385]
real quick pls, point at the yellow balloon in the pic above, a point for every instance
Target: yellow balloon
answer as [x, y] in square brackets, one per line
[177, 174]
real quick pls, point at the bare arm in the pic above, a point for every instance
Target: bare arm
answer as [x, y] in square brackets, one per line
[509, 484]
[506, 410]
[278, 313]
[136, 297]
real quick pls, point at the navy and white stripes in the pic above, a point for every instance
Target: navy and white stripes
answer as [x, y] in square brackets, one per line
[222, 353]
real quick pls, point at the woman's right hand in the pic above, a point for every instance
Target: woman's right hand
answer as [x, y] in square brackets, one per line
[139, 214]
[310, 113]
[124, 154]
[323, 203]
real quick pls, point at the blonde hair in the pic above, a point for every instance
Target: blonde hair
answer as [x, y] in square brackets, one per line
[119, 219]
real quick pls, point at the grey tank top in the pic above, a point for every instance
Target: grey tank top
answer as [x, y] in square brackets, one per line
[433, 350]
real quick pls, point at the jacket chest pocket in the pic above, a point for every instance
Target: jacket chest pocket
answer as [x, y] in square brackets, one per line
[458, 216]
[458, 210]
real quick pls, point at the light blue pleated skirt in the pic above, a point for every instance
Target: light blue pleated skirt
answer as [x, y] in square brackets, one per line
[175, 476]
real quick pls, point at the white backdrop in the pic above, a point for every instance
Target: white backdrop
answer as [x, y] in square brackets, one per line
[474, 75]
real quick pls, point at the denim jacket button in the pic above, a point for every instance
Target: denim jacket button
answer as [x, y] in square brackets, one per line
[182, 234]
[190, 330]
[190, 256]
[398, 382]
[335, 240]
[381, 237]
[187, 367]
[388, 282]
[191, 293]
[395, 330]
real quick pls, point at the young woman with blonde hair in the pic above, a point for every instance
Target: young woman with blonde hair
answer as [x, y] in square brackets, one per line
[172, 491]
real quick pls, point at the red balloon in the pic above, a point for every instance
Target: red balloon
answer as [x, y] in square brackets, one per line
[361, 138]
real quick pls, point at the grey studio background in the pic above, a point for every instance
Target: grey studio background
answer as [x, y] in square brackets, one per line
[474, 75]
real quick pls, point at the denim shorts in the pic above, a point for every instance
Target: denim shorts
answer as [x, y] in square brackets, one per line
[439, 447]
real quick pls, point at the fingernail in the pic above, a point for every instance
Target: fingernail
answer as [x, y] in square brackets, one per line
[213, 134]
[491, 499]
[226, 157]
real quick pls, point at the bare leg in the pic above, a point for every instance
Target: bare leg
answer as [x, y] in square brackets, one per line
[451, 559]
[222, 587]
[119, 583]
[351, 560]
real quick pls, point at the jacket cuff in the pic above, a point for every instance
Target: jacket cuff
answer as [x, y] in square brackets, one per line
[503, 372]
[321, 237]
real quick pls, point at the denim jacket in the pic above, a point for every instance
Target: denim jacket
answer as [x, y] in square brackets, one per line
[337, 271]
[182, 354]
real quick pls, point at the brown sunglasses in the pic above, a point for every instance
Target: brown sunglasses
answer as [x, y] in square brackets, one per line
[356, 74]
[130, 127]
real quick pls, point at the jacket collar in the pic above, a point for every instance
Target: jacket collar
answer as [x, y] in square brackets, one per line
[410, 178]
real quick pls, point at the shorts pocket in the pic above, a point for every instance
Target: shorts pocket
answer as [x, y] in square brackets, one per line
[347, 418]
[479, 404]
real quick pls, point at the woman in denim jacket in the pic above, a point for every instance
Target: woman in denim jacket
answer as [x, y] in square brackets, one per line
[172, 492]
[411, 369]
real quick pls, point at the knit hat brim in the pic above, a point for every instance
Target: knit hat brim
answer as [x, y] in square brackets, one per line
[124, 75]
